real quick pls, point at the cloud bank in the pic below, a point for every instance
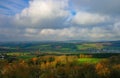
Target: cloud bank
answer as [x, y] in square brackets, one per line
[62, 20]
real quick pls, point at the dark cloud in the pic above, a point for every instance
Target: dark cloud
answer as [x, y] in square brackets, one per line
[104, 7]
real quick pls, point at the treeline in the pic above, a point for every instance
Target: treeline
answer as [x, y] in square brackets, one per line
[60, 67]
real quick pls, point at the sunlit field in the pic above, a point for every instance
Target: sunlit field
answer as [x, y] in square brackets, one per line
[29, 65]
[89, 60]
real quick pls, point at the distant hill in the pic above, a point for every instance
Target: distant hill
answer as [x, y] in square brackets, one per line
[61, 46]
[75, 41]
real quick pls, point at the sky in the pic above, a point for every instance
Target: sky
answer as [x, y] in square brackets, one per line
[59, 20]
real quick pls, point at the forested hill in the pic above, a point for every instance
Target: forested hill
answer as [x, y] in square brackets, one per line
[61, 46]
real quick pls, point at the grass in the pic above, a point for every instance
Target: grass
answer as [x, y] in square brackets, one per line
[40, 46]
[18, 53]
[90, 45]
[89, 60]
[21, 55]
[25, 57]
[65, 48]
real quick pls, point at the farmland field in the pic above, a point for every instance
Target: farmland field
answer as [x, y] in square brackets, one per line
[90, 45]
[60, 60]
[89, 60]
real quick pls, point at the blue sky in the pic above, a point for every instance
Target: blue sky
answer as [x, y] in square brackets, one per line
[40, 20]
[11, 7]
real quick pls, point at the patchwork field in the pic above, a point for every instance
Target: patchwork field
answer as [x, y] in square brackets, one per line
[90, 46]
[89, 60]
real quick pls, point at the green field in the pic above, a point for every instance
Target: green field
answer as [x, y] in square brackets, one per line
[26, 57]
[89, 60]
[20, 55]
[90, 45]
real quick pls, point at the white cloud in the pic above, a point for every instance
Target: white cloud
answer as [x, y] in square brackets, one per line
[116, 29]
[41, 12]
[68, 32]
[95, 33]
[30, 30]
[85, 18]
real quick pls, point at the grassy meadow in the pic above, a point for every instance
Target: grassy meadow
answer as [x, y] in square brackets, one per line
[89, 60]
